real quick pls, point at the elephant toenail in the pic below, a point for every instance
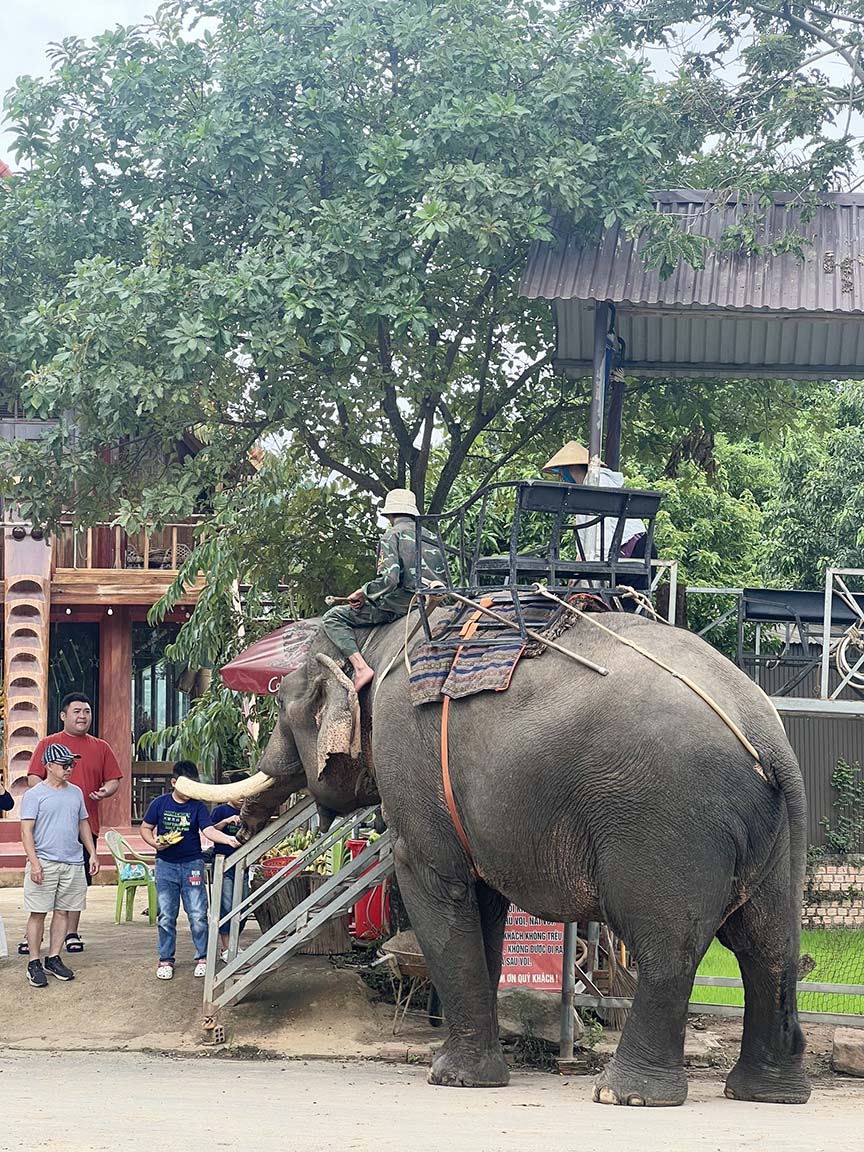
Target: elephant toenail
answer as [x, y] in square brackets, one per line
[636, 1101]
[607, 1096]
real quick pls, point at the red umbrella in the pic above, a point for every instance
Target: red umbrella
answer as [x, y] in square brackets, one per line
[260, 667]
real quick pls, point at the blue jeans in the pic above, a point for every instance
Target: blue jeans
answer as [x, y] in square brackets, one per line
[185, 881]
[228, 896]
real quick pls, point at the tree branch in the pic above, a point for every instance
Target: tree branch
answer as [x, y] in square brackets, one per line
[421, 462]
[451, 423]
[835, 15]
[813, 30]
[479, 424]
[365, 482]
[554, 413]
[513, 389]
[389, 401]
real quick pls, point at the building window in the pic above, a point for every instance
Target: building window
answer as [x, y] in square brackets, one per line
[157, 702]
[73, 666]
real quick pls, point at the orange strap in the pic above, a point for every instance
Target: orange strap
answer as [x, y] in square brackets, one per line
[467, 631]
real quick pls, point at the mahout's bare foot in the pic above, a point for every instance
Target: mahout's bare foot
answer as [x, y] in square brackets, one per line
[362, 677]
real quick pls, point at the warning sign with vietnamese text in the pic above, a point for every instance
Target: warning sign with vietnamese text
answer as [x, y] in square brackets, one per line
[533, 953]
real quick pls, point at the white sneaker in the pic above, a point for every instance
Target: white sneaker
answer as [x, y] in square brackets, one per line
[165, 972]
[200, 968]
[223, 955]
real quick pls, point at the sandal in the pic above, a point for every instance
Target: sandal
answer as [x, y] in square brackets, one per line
[74, 943]
[23, 948]
[165, 971]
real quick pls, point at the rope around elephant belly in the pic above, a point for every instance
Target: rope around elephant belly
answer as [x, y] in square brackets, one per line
[700, 692]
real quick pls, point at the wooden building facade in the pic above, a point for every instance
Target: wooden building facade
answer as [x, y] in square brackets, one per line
[75, 608]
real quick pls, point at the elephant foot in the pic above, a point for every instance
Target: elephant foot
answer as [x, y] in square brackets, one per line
[648, 1089]
[764, 1084]
[455, 1067]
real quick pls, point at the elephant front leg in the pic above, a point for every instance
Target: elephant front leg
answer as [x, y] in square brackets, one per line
[446, 916]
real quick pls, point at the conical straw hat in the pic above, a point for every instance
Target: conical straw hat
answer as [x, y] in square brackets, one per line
[571, 455]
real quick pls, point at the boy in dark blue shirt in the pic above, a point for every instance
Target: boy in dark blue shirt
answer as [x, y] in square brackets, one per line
[173, 826]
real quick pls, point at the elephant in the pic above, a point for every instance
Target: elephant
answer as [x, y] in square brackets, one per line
[621, 798]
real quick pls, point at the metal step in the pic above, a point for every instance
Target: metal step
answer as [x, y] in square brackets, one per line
[246, 967]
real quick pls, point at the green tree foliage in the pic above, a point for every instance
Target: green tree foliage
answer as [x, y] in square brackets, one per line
[817, 514]
[308, 220]
[270, 551]
[777, 81]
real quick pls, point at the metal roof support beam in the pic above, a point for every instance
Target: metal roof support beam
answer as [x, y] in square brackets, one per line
[599, 374]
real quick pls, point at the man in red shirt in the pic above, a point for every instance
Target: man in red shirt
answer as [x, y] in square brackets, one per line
[96, 773]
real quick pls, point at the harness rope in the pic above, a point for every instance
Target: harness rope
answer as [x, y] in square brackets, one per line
[700, 692]
[466, 632]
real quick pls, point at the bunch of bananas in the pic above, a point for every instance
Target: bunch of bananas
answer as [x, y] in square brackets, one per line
[169, 838]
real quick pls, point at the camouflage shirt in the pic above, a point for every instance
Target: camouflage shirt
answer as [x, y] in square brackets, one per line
[396, 582]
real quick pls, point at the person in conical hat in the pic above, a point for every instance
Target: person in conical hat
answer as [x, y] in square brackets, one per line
[388, 596]
[570, 463]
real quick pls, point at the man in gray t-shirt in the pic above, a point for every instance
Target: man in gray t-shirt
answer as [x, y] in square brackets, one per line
[53, 827]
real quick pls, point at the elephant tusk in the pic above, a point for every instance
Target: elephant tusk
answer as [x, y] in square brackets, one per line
[224, 793]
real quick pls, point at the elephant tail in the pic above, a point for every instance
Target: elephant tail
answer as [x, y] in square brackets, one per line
[786, 775]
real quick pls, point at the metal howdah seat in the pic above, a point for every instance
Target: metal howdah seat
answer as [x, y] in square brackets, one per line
[559, 534]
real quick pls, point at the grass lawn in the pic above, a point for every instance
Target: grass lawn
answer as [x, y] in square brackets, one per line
[839, 956]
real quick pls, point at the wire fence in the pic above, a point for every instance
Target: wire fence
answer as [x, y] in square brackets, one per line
[831, 968]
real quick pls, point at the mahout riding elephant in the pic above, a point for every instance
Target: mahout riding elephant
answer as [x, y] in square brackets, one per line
[622, 798]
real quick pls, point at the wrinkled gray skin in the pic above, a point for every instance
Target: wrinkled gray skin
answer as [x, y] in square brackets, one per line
[621, 798]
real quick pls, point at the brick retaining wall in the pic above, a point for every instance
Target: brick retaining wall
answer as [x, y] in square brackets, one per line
[834, 895]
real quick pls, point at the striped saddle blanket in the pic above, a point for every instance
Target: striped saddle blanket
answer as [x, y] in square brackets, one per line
[456, 668]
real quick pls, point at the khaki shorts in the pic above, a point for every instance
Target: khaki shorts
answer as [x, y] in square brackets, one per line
[63, 888]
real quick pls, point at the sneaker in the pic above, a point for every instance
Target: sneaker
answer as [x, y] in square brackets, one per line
[56, 967]
[36, 974]
[200, 968]
[165, 971]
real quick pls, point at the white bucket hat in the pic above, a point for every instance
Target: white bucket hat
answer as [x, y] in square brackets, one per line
[400, 502]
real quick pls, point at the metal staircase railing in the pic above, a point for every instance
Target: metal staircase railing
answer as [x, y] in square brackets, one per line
[244, 968]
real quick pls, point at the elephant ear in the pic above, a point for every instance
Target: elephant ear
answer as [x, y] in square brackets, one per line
[338, 715]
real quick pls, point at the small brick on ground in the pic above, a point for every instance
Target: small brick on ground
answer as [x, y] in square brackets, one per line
[847, 1054]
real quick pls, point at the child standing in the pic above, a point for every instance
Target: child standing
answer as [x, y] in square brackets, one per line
[173, 825]
[227, 819]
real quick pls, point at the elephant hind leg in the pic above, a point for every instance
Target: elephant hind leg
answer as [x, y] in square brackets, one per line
[449, 918]
[763, 934]
[668, 940]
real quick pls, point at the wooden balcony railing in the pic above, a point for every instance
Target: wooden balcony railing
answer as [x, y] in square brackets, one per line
[106, 546]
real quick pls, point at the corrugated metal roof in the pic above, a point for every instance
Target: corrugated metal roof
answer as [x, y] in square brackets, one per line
[757, 315]
[692, 342]
[830, 279]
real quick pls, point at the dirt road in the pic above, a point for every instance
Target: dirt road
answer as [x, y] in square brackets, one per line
[125, 1102]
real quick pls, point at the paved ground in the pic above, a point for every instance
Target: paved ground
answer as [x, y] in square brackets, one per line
[90, 1102]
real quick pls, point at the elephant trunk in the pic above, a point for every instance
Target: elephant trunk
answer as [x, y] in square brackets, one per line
[224, 793]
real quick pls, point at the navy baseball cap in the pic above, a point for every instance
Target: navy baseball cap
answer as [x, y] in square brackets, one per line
[58, 754]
